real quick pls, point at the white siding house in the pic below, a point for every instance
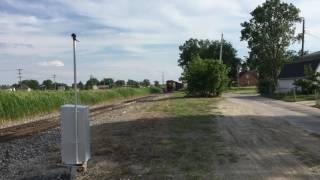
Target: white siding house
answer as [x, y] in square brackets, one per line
[290, 72]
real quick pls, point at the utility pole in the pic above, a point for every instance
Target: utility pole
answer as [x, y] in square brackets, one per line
[238, 80]
[54, 81]
[303, 34]
[20, 76]
[221, 48]
[162, 78]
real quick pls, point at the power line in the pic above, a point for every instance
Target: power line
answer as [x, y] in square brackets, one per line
[5, 70]
[315, 36]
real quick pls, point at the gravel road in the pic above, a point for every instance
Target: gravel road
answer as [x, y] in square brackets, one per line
[273, 139]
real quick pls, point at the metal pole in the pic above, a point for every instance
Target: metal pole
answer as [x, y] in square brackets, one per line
[238, 67]
[20, 76]
[221, 48]
[303, 34]
[54, 81]
[75, 92]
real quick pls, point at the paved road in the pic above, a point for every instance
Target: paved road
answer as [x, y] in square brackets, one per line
[296, 114]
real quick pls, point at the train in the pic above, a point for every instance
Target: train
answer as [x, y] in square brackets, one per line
[173, 86]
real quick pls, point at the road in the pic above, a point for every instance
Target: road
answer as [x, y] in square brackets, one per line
[296, 114]
[273, 139]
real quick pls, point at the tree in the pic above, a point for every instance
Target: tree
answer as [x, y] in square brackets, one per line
[269, 33]
[120, 83]
[31, 83]
[206, 77]
[145, 83]
[156, 84]
[207, 49]
[81, 85]
[91, 82]
[311, 81]
[47, 84]
[132, 83]
[107, 81]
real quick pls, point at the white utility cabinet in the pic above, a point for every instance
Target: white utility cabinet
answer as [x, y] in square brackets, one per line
[75, 141]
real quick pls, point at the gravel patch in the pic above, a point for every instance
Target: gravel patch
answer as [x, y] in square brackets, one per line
[38, 156]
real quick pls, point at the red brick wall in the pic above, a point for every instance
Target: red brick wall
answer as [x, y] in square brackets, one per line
[248, 79]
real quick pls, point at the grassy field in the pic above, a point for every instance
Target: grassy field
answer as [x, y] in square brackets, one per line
[171, 138]
[17, 105]
[243, 90]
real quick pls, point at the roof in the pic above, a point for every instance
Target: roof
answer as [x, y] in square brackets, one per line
[296, 69]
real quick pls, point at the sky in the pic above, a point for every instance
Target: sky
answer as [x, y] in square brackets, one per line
[122, 39]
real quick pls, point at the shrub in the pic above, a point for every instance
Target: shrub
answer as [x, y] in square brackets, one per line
[155, 90]
[310, 83]
[265, 87]
[206, 77]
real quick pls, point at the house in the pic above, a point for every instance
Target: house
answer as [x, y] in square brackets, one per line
[293, 71]
[248, 78]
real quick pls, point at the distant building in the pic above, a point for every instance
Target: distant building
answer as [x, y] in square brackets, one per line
[248, 78]
[293, 71]
[94, 87]
[61, 88]
[103, 87]
[24, 87]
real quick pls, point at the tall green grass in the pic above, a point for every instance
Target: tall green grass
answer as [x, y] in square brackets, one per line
[18, 105]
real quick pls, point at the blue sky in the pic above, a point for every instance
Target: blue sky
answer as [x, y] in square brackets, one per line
[122, 39]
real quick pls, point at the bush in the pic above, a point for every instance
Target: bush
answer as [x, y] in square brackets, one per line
[307, 86]
[155, 90]
[266, 87]
[206, 77]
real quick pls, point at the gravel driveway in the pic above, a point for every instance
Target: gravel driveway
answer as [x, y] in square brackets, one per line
[275, 140]
[297, 114]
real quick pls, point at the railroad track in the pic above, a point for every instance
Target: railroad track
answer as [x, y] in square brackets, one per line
[28, 129]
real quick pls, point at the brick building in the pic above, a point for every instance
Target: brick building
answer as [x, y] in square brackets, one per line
[248, 78]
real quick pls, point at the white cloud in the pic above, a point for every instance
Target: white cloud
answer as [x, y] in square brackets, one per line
[122, 31]
[57, 63]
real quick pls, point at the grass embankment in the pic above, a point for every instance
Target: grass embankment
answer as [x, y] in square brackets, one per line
[173, 138]
[290, 97]
[17, 105]
[243, 90]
